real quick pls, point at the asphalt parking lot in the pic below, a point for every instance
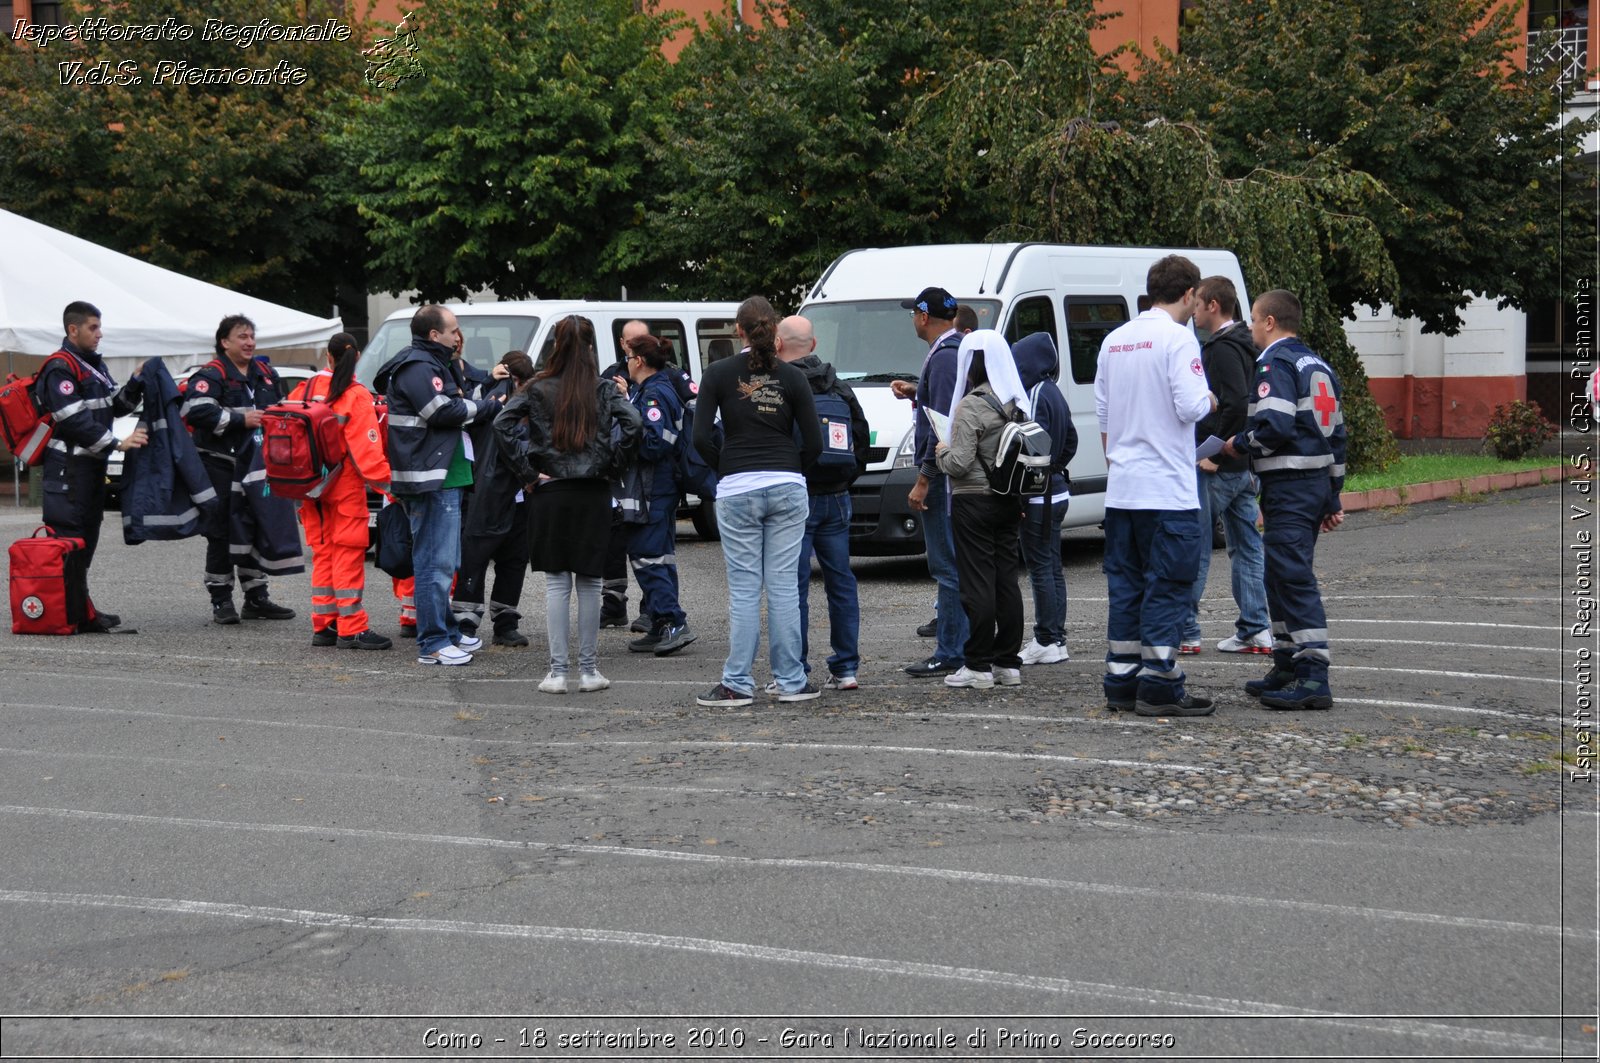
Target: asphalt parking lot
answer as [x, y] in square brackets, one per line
[211, 833]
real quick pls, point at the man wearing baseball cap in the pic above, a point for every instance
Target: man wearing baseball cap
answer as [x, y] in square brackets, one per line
[933, 314]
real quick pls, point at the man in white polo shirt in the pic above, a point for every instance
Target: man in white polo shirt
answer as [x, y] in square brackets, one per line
[1149, 390]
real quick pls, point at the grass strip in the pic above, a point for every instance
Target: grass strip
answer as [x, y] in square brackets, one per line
[1427, 468]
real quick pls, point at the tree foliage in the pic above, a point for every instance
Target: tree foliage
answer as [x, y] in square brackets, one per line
[228, 183]
[515, 159]
[1420, 95]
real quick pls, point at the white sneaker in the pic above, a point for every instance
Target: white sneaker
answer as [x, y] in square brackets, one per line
[966, 677]
[841, 682]
[1008, 677]
[772, 689]
[469, 643]
[553, 684]
[1033, 653]
[1260, 642]
[591, 682]
[449, 655]
[1190, 647]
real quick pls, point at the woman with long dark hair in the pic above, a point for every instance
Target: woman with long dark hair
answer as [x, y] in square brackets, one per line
[762, 504]
[581, 432]
[336, 520]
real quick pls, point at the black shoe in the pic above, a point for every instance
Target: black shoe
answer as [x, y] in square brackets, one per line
[613, 619]
[647, 643]
[367, 640]
[408, 631]
[674, 639]
[809, 692]
[640, 625]
[326, 637]
[468, 629]
[100, 625]
[264, 608]
[930, 629]
[510, 638]
[1301, 694]
[224, 612]
[726, 697]
[1188, 705]
[1276, 679]
[932, 668]
[110, 620]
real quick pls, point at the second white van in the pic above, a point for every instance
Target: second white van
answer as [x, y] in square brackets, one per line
[1078, 294]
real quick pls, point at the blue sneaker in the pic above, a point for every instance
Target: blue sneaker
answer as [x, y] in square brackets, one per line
[1273, 681]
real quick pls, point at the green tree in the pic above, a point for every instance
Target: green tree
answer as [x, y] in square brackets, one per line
[1422, 96]
[230, 183]
[782, 148]
[512, 161]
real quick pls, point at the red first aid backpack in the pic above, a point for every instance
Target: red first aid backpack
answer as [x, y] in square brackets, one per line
[49, 585]
[302, 446]
[27, 428]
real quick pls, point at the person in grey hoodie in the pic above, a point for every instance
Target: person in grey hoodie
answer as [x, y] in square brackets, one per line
[1037, 364]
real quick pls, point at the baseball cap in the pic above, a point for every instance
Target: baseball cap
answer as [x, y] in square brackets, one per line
[935, 302]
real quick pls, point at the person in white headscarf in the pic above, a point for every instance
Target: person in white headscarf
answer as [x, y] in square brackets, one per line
[988, 393]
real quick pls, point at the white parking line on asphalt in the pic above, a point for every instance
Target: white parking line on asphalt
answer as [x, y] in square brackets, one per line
[1530, 717]
[1192, 769]
[982, 878]
[735, 950]
[1337, 667]
[1335, 621]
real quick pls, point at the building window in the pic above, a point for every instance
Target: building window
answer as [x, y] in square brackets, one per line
[46, 13]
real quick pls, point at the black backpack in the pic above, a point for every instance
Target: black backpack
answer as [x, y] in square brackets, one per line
[1022, 460]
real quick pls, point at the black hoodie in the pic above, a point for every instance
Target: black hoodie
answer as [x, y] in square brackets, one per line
[1229, 357]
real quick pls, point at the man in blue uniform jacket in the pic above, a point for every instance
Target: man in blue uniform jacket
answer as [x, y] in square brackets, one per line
[1294, 436]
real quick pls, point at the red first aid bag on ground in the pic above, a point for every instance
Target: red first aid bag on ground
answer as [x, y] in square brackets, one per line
[25, 427]
[49, 585]
[302, 446]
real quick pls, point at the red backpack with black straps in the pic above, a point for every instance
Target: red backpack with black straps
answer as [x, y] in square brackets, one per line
[27, 428]
[302, 446]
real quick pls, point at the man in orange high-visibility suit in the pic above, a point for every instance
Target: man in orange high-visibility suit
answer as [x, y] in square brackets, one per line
[336, 521]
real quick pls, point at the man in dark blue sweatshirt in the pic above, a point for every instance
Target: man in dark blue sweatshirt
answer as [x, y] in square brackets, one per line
[1037, 365]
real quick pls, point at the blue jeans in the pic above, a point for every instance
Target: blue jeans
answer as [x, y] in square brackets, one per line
[940, 539]
[435, 553]
[1191, 619]
[1233, 495]
[828, 534]
[1150, 562]
[761, 533]
[1041, 546]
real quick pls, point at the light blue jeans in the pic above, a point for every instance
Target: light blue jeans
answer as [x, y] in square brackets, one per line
[761, 533]
[1233, 496]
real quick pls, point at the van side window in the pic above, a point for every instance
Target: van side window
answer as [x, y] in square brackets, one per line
[665, 328]
[1090, 318]
[716, 339]
[1033, 314]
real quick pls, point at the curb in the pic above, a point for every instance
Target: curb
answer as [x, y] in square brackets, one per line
[1380, 497]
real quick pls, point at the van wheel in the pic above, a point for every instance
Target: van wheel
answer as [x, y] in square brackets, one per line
[704, 519]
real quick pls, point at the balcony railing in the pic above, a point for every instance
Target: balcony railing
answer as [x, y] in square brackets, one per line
[1566, 49]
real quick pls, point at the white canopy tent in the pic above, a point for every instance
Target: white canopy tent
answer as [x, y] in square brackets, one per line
[146, 310]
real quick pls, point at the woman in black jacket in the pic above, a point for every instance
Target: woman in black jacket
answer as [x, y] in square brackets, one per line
[581, 432]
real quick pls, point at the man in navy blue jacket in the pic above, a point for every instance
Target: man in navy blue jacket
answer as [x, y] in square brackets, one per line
[428, 459]
[75, 389]
[933, 314]
[1041, 530]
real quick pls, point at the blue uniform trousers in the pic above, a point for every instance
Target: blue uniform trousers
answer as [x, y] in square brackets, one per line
[1293, 508]
[1151, 560]
[652, 551]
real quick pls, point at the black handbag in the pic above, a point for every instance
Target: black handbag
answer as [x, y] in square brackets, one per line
[394, 541]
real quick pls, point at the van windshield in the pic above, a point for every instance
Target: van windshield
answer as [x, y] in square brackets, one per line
[485, 340]
[872, 342]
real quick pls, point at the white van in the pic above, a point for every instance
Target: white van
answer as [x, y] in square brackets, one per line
[1077, 294]
[700, 334]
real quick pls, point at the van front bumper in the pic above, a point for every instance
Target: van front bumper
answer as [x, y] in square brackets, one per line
[882, 523]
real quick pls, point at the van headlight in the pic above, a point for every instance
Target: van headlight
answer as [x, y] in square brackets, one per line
[905, 457]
